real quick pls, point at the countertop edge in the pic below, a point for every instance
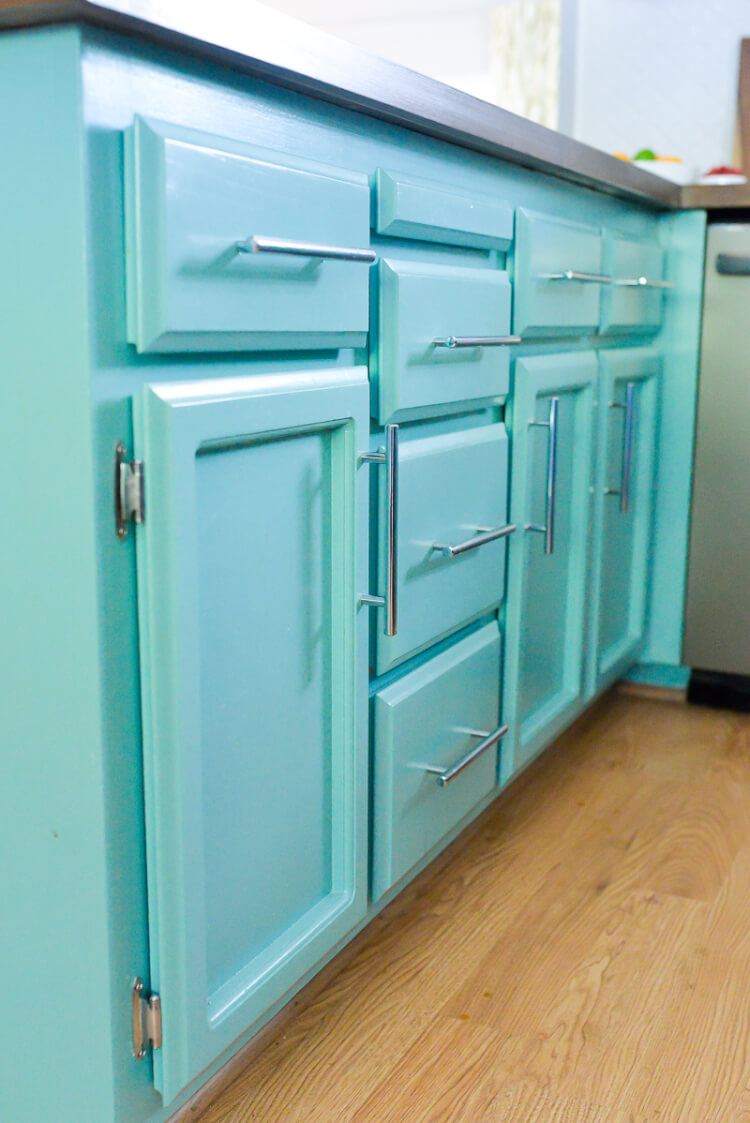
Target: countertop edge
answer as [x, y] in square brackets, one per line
[286, 52]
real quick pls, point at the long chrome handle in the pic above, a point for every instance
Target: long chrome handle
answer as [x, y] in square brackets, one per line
[627, 447]
[260, 244]
[642, 282]
[388, 456]
[574, 275]
[445, 775]
[453, 341]
[627, 453]
[732, 265]
[391, 563]
[473, 543]
[548, 529]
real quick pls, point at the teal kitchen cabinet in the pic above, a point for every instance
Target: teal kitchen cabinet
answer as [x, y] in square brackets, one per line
[435, 750]
[235, 248]
[624, 507]
[634, 300]
[448, 513]
[254, 685]
[552, 434]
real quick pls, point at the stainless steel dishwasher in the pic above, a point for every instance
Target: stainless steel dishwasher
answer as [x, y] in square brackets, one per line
[717, 623]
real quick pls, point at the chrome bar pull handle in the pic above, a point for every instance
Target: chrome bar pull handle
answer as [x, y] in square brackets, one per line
[257, 243]
[627, 453]
[391, 545]
[574, 275]
[642, 282]
[453, 341]
[388, 456]
[446, 775]
[548, 529]
[473, 543]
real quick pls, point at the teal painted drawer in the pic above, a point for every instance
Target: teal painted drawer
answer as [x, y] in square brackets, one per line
[405, 207]
[635, 299]
[426, 724]
[204, 271]
[422, 309]
[451, 489]
[558, 276]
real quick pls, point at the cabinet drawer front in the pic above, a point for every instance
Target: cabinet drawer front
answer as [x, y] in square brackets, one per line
[625, 307]
[450, 489]
[423, 720]
[546, 303]
[419, 304]
[192, 200]
[414, 208]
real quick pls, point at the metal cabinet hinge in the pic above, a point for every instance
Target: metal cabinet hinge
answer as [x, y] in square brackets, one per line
[129, 493]
[146, 1011]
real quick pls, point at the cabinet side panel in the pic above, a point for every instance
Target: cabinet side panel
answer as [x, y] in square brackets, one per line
[55, 936]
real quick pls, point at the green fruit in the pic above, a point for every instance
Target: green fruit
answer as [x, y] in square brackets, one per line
[645, 154]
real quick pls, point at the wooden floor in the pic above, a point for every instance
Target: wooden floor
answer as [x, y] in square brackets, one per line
[584, 958]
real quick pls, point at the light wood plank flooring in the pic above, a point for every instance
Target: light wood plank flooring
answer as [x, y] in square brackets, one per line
[584, 957]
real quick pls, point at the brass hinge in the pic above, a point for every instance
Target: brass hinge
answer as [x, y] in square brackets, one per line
[146, 1011]
[130, 505]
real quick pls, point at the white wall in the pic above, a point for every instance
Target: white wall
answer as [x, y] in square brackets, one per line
[658, 74]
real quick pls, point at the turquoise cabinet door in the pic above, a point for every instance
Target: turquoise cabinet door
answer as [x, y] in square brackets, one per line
[551, 467]
[624, 509]
[452, 491]
[635, 300]
[425, 724]
[254, 684]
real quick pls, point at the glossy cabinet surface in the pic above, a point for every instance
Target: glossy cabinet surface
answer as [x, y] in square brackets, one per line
[196, 202]
[423, 310]
[634, 301]
[426, 723]
[624, 492]
[547, 301]
[249, 562]
[551, 471]
[452, 489]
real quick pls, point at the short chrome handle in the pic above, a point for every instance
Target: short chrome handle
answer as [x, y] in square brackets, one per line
[733, 265]
[445, 775]
[642, 282]
[388, 456]
[548, 529]
[453, 341]
[574, 275]
[474, 543]
[260, 244]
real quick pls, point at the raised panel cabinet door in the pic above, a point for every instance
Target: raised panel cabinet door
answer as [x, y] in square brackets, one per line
[635, 299]
[624, 509]
[551, 467]
[254, 686]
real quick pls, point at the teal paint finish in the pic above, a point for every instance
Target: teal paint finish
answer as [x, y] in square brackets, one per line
[683, 236]
[659, 674]
[405, 207]
[545, 613]
[422, 720]
[191, 198]
[418, 303]
[57, 1056]
[253, 673]
[544, 245]
[621, 540]
[450, 486]
[75, 382]
[625, 308]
